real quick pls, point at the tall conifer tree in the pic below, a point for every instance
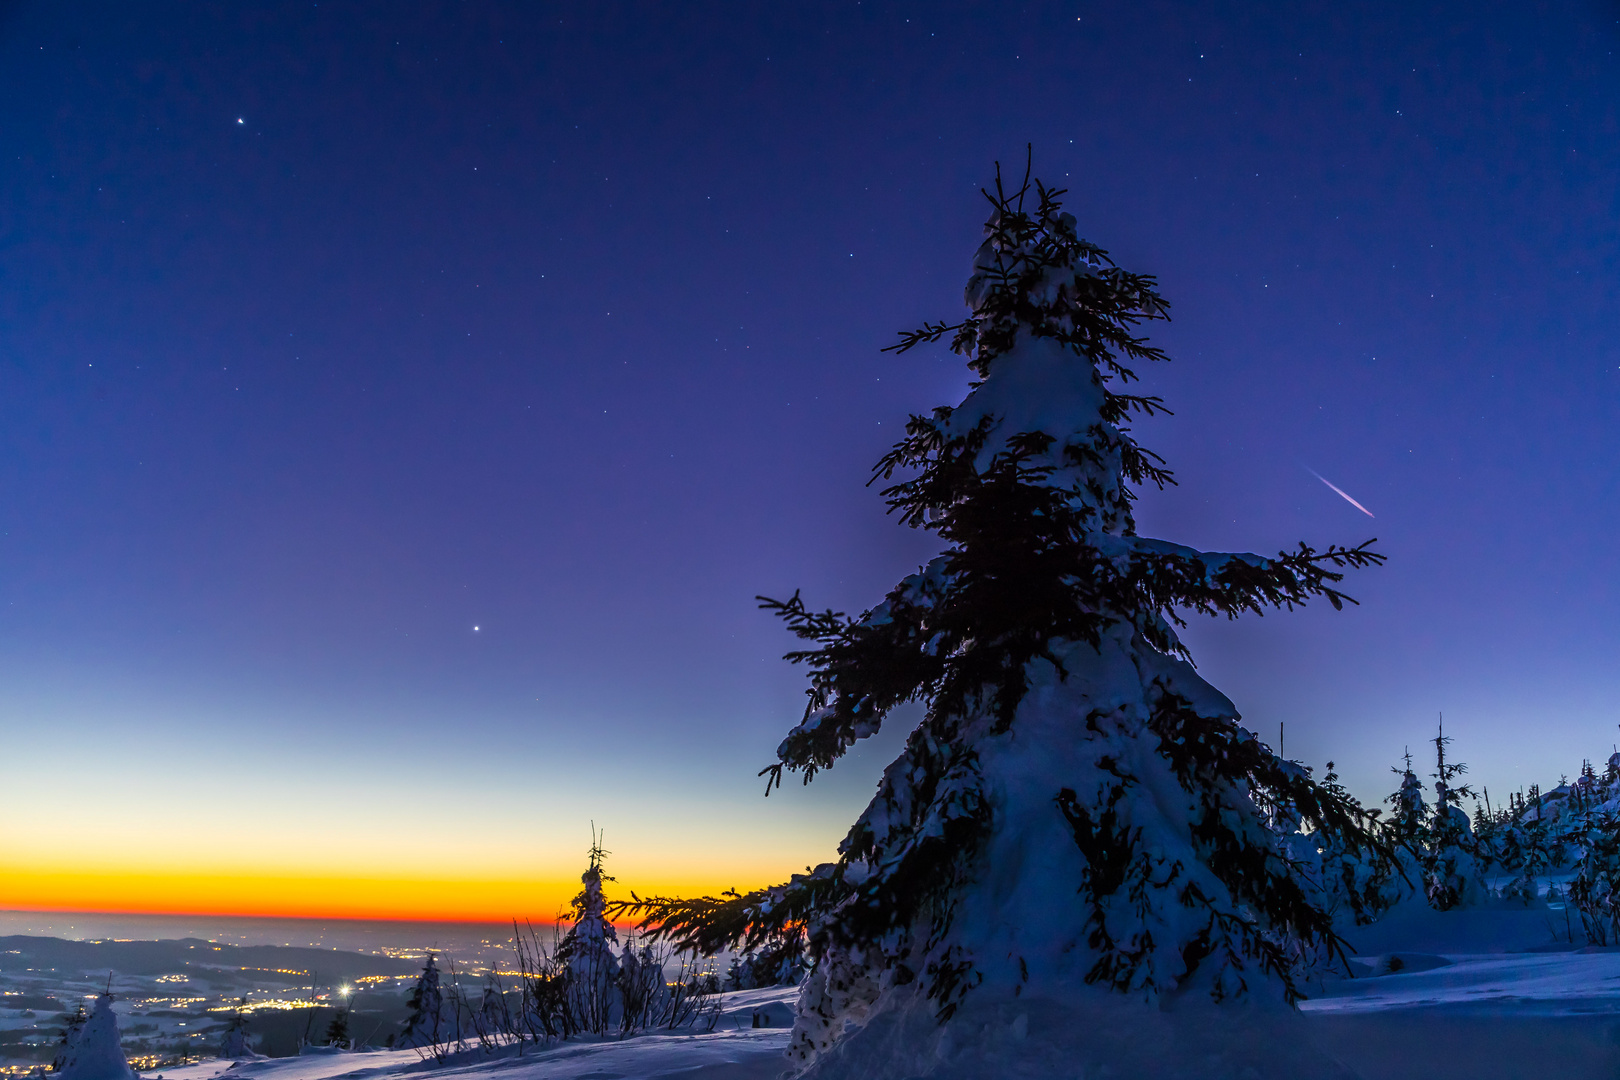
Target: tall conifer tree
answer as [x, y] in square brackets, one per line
[1452, 875]
[586, 950]
[1078, 811]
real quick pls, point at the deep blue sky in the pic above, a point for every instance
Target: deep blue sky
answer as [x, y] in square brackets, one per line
[329, 332]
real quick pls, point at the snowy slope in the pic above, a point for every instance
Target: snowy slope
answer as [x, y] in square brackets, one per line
[732, 1055]
[1536, 984]
[735, 1050]
[1492, 993]
[1467, 1002]
[1485, 1015]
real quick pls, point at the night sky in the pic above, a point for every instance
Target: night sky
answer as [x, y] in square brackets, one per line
[401, 405]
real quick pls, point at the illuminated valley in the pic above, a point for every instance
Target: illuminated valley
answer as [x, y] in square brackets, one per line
[176, 998]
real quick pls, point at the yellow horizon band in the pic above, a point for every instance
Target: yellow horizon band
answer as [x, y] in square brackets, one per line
[308, 896]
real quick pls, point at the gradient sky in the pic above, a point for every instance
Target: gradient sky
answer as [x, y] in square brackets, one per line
[330, 332]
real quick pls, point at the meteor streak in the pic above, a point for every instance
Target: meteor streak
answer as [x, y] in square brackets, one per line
[1339, 491]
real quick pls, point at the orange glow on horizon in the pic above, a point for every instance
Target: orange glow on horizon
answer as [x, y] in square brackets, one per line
[313, 896]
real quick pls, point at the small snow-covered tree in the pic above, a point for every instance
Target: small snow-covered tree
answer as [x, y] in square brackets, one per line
[1407, 830]
[1520, 847]
[72, 1024]
[424, 1025]
[1490, 832]
[1409, 814]
[492, 1020]
[586, 952]
[97, 1053]
[1078, 812]
[1594, 890]
[337, 1032]
[1358, 883]
[1452, 875]
[780, 960]
[642, 991]
[235, 1042]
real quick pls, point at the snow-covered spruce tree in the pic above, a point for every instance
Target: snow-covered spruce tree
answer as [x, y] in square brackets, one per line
[1408, 821]
[492, 1021]
[97, 1053]
[1078, 812]
[337, 1032]
[1407, 830]
[72, 1024]
[1353, 882]
[1522, 847]
[424, 1026]
[1594, 890]
[1452, 876]
[586, 952]
[780, 960]
[235, 1043]
[642, 992]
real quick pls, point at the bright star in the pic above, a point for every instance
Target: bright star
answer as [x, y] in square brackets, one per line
[239, 120]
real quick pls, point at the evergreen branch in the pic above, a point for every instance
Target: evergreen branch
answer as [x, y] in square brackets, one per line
[1140, 464]
[1245, 583]
[822, 626]
[927, 335]
[732, 920]
[1147, 406]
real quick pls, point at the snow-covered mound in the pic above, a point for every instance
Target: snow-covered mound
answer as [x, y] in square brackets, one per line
[96, 1053]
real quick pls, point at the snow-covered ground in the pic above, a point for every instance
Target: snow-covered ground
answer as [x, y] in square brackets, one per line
[1488, 993]
[734, 1050]
[1481, 1014]
[1482, 994]
[1478, 1016]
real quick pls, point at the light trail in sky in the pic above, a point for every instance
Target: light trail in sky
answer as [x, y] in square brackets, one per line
[1340, 491]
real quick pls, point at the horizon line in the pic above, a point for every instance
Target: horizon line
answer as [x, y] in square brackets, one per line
[168, 914]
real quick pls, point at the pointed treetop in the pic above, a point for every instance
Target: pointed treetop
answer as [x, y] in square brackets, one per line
[598, 854]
